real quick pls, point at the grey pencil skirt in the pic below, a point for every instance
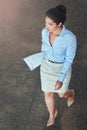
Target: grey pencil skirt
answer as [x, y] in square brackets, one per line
[49, 73]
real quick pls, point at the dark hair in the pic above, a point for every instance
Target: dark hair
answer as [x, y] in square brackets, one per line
[57, 14]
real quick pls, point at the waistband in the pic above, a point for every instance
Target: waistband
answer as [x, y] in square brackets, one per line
[55, 62]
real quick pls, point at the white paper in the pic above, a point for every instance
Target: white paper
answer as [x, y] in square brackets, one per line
[34, 60]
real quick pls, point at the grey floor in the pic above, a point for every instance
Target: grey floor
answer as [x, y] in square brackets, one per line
[22, 104]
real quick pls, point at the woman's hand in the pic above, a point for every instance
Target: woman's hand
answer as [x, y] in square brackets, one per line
[58, 85]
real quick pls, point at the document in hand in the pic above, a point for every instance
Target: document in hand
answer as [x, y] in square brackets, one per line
[34, 60]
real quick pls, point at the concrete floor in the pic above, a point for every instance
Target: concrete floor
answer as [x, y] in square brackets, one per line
[22, 104]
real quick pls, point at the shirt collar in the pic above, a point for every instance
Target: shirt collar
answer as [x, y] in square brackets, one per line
[63, 31]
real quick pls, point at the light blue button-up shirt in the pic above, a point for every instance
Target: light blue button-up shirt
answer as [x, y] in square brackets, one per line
[63, 49]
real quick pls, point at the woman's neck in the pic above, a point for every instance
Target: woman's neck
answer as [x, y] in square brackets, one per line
[57, 31]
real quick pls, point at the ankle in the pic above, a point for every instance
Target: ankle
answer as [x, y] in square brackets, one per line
[52, 115]
[71, 94]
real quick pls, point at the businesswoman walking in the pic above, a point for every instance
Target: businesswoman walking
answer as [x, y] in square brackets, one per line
[59, 48]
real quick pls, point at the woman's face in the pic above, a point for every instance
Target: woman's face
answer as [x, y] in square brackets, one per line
[50, 25]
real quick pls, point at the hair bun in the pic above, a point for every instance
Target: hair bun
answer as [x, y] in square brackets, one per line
[62, 8]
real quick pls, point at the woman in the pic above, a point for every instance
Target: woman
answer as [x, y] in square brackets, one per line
[59, 48]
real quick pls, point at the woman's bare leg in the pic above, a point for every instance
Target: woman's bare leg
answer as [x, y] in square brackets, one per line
[50, 103]
[69, 95]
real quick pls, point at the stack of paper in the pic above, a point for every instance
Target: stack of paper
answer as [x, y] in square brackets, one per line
[34, 60]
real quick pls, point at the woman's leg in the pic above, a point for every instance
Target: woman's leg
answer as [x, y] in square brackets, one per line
[50, 103]
[69, 95]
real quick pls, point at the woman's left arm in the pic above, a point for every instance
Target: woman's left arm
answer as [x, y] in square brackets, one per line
[70, 54]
